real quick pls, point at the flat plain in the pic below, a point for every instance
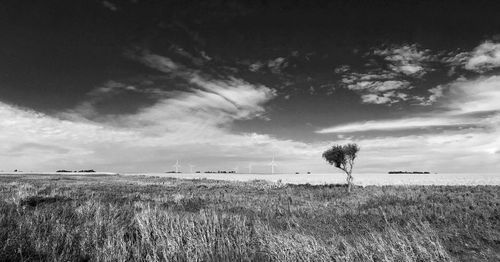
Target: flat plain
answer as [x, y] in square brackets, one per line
[138, 218]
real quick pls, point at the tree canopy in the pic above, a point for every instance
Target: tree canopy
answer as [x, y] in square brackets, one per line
[342, 157]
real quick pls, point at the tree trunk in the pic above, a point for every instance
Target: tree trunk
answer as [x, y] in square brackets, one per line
[349, 182]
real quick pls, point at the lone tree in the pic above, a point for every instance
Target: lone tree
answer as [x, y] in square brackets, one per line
[343, 158]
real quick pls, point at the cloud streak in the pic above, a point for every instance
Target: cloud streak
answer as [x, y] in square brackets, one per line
[394, 125]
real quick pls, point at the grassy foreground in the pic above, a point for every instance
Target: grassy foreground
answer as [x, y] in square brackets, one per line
[115, 218]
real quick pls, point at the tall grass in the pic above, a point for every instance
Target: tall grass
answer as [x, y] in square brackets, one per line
[144, 219]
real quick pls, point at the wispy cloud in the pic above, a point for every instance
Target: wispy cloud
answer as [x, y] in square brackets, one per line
[109, 5]
[377, 87]
[191, 126]
[275, 65]
[397, 124]
[193, 123]
[406, 59]
[388, 83]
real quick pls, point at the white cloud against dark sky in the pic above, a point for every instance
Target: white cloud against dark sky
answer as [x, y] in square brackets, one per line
[134, 86]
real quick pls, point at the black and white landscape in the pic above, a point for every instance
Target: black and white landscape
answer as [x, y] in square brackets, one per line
[270, 130]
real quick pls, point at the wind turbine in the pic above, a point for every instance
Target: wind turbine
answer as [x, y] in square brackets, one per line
[177, 166]
[272, 164]
[191, 168]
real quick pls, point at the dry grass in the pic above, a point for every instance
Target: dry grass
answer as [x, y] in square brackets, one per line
[112, 218]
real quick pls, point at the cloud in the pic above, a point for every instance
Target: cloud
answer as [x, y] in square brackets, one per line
[385, 86]
[212, 105]
[483, 58]
[379, 86]
[435, 93]
[406, 59]
[397, 124]
[104, 93]
[229, 98]
[277, 65]
[161, 63]
[384, 98]
[455, 151]
[42, 140]
[465, 130]
[191, 124]
[26, 147]
[472, 96]
[466, 99]
[376, 88]
[256, 66]
[455, 58]
[109, 5]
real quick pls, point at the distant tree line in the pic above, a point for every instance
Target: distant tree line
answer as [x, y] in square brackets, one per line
[408, 172]
[80, 171]
[207, 172]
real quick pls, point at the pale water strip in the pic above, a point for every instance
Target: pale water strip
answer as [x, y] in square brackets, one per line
[362, 179]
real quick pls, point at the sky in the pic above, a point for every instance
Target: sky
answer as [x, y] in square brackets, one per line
[134, 86]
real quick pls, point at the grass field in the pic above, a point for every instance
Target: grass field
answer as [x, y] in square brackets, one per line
[116, 218]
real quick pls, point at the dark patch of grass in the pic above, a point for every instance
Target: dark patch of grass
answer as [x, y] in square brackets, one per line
[34, 201]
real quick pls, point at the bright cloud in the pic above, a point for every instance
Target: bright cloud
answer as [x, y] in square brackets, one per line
[473, 96]
[215, 104]
[191, 124]
[451, 151]
[398, 124]
[484, 57]
[42, 140]
[471, 107]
